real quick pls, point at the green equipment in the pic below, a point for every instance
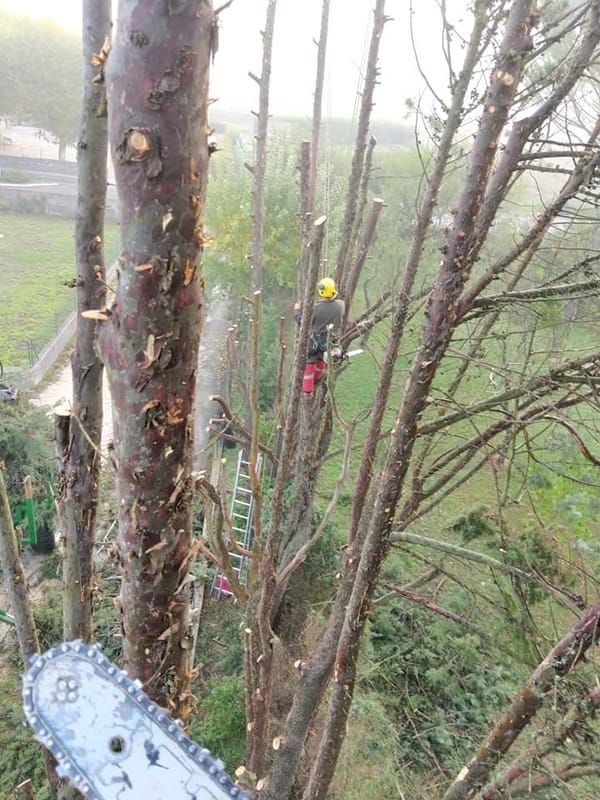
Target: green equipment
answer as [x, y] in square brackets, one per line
[39, 536]
[7, 618]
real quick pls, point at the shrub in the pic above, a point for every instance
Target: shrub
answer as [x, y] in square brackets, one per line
[475, 524]
[25, 446]
[222, 722]
[442, 687]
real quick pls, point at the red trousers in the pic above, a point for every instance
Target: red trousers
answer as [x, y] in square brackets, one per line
[313, 372]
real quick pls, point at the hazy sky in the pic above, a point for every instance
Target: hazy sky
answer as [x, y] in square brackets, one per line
[294, 57]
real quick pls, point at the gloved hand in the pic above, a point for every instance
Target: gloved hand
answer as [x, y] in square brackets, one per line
[337, 353]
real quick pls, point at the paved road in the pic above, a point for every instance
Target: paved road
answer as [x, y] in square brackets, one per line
[54, 182]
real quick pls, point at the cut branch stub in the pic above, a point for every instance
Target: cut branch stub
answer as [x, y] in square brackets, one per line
[141, 145]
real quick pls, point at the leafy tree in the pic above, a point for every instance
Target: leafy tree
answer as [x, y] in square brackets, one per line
[40, 65]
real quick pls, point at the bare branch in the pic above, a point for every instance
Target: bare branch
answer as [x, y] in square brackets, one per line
[563, 658]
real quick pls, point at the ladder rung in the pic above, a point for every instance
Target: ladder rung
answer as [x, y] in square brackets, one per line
[243, 491]
[240, 516]
[242, 503]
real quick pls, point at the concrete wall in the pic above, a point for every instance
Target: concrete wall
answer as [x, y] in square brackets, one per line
[26, 164]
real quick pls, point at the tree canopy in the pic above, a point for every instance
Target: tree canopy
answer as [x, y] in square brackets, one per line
[40, 65]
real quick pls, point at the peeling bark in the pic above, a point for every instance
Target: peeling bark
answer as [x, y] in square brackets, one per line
[543, 745]
[158, 97]
[79, 461]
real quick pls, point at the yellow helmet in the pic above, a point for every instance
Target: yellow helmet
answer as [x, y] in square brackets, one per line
[326, 288]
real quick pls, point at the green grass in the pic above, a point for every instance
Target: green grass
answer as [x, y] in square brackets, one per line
[14, 176]
[36, 263]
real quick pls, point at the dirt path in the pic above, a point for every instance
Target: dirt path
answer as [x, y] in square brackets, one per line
[57, 395]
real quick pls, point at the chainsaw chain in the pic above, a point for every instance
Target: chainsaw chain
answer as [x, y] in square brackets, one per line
[64, 684]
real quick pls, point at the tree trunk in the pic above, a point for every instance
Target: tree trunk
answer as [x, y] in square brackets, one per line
[80, 457]
[14, 577]
[364, 560]
[158, 96]
[317, 106]
[362, 135]
[260, 167]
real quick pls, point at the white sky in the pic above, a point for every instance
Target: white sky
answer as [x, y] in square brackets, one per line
[294, 58]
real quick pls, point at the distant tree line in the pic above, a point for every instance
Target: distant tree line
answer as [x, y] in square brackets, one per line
[40, 64]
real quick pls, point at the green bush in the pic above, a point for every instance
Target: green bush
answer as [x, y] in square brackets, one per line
[475, 524]
[25, 446]
[221, 722]
[442, 687]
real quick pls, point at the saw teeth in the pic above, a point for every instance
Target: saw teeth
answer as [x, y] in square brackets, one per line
[60, 737]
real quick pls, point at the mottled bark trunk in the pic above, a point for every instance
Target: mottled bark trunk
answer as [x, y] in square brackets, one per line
[306, 216]
[259, 640]
[157, 92]
[315, 431]
[258, 643]
[361, 256]
[403, 299]
[570, 726]
[362, 134]
[363, 197]
[524, 128]
[80, 466]
[564, 657]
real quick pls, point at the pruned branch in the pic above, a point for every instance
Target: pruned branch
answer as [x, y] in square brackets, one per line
[239, 427]
[543, 745]
[466, 554]
[563, 658]
[429, 605]
[531, 389]
[481, 305]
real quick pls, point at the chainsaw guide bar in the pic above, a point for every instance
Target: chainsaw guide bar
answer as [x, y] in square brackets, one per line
[109, 739]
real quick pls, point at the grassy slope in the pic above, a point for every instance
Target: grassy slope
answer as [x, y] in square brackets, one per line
[36, 260]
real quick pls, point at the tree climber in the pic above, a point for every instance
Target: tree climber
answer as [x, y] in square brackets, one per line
[328, 313]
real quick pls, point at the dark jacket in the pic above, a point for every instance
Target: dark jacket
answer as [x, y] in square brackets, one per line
[325, 312]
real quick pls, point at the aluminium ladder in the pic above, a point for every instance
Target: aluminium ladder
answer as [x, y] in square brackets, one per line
[242, 512]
